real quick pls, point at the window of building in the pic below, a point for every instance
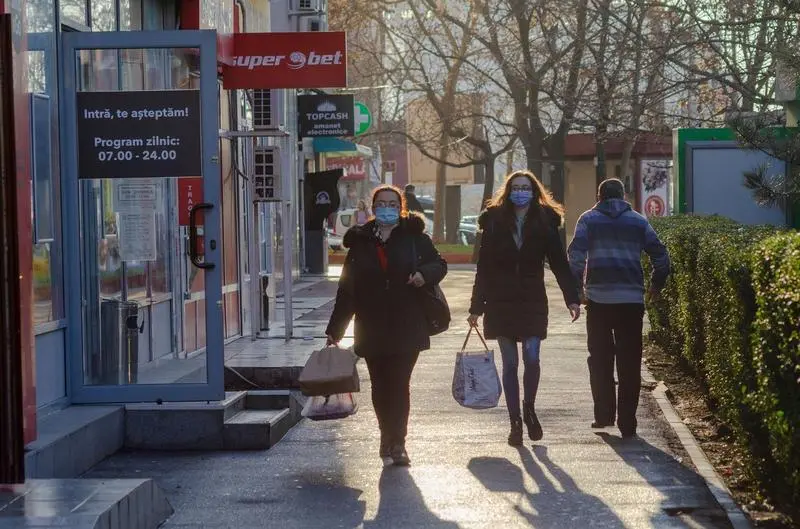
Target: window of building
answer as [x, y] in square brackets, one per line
[40, 16]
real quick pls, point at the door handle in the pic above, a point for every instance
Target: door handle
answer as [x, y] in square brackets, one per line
[193, 255]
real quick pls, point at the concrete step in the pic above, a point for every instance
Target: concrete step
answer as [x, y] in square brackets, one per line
[180, 425]
[256, 429]
[85, 504]
[72, 440]
[267, 399]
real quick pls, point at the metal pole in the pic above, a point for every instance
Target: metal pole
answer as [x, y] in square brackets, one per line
[255, 273]
[287, 270]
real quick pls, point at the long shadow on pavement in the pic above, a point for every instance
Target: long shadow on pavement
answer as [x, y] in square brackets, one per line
[402, 504]
[562, 507]
[686, 495]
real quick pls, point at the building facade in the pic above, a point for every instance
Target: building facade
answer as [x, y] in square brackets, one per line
[88, 261]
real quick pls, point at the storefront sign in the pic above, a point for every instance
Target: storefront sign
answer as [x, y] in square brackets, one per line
[137, 236]
[190, 192]
[363, 118]
[314, 59]
[655, 187]
[354, 167]
[325, 115]
[139, 134]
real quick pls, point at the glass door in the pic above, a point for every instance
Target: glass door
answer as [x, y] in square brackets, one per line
[140, 122]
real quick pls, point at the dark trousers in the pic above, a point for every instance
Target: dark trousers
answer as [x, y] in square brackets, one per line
[390, 376]
[615, 332]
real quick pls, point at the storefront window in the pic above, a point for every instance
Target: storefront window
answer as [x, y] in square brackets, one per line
[40, 18]
[74, 11]
[130, 15]
[104, 15]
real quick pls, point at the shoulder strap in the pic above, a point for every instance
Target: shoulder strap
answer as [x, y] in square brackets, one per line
[413, 255]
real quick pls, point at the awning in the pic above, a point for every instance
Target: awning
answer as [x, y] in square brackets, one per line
[337, 145]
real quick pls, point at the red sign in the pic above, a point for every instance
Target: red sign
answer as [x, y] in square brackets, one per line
[654, 206]
[353, 166]
[190, 192]
[313, 59]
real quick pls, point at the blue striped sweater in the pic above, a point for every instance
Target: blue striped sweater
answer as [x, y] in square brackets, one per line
[605, 254]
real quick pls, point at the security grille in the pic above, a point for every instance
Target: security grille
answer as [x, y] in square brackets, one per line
[266, 177]
[266, 109]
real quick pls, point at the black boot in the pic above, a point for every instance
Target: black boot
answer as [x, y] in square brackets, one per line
[515, 437]
[532, 422]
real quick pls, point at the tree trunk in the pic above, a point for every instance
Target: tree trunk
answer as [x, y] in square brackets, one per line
[488, 190]
[625, 162]
[440, 194]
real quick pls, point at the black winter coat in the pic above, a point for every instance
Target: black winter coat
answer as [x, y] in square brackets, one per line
[388, 317]
[509, 288]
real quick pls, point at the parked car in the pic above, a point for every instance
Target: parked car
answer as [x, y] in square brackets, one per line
[468, 230]
[343, 220]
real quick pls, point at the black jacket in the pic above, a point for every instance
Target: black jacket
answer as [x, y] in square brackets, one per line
[509, 288]
[388, 318]
[412, 203]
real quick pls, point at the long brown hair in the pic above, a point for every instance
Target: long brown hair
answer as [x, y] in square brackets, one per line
[400, 195]
[542, 200]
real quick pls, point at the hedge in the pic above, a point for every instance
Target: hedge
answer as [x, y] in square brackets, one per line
[731, 311]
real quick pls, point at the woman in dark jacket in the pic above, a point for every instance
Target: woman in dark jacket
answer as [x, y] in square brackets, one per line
[379, 286]
[519, 230]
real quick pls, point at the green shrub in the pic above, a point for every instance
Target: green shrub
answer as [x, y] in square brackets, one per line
[731, 312]
[776, 355]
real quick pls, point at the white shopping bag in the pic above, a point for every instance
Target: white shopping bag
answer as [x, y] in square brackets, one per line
[330, 407]
[476, 383]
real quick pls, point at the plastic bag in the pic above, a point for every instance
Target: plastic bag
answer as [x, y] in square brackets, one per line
[330, 407]
[476, 383]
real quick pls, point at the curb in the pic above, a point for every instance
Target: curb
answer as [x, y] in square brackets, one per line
[705, 469]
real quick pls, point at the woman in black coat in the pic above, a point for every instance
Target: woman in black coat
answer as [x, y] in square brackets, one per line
[379, 286]
[519, 230]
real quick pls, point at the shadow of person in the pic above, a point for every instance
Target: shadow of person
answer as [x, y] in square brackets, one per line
[319, 503]
[560, 504]
[402, 504]
[685, 493]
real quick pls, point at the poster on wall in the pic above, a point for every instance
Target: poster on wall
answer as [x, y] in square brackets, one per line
[132, 196]
[137, 236]
[139, 134]
[654, 189]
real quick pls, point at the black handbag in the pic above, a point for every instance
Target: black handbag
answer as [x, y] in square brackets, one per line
[433, 303]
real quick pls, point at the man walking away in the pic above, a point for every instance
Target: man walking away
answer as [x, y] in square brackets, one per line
[605, 257]
[411, 199]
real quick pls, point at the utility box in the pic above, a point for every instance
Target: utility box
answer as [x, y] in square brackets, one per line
[119, 327]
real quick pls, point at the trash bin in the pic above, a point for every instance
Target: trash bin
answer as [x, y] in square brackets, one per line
[119, 360]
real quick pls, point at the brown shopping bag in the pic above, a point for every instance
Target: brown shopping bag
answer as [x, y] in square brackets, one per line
[330, 371]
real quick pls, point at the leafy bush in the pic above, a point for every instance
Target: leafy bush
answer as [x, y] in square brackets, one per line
[776, 356]
[731, 312]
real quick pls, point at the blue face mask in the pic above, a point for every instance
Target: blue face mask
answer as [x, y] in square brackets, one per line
[387, 216]
[521, 198]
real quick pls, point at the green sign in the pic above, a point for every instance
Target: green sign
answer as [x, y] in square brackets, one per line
[363, 118]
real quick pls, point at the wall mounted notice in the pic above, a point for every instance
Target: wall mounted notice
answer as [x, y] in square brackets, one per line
[139, 134]
[137, 236]
[137, 196]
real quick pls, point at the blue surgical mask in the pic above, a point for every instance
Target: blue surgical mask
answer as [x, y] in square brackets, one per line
[521, 198]
[387, 216]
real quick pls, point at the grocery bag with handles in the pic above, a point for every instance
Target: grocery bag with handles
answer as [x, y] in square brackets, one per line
[330, 407]
[330, 371]
[476, 383]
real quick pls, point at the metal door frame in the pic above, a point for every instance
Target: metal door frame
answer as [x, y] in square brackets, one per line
[214, 387]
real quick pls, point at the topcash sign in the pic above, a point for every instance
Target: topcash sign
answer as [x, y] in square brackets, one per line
[314, 59]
